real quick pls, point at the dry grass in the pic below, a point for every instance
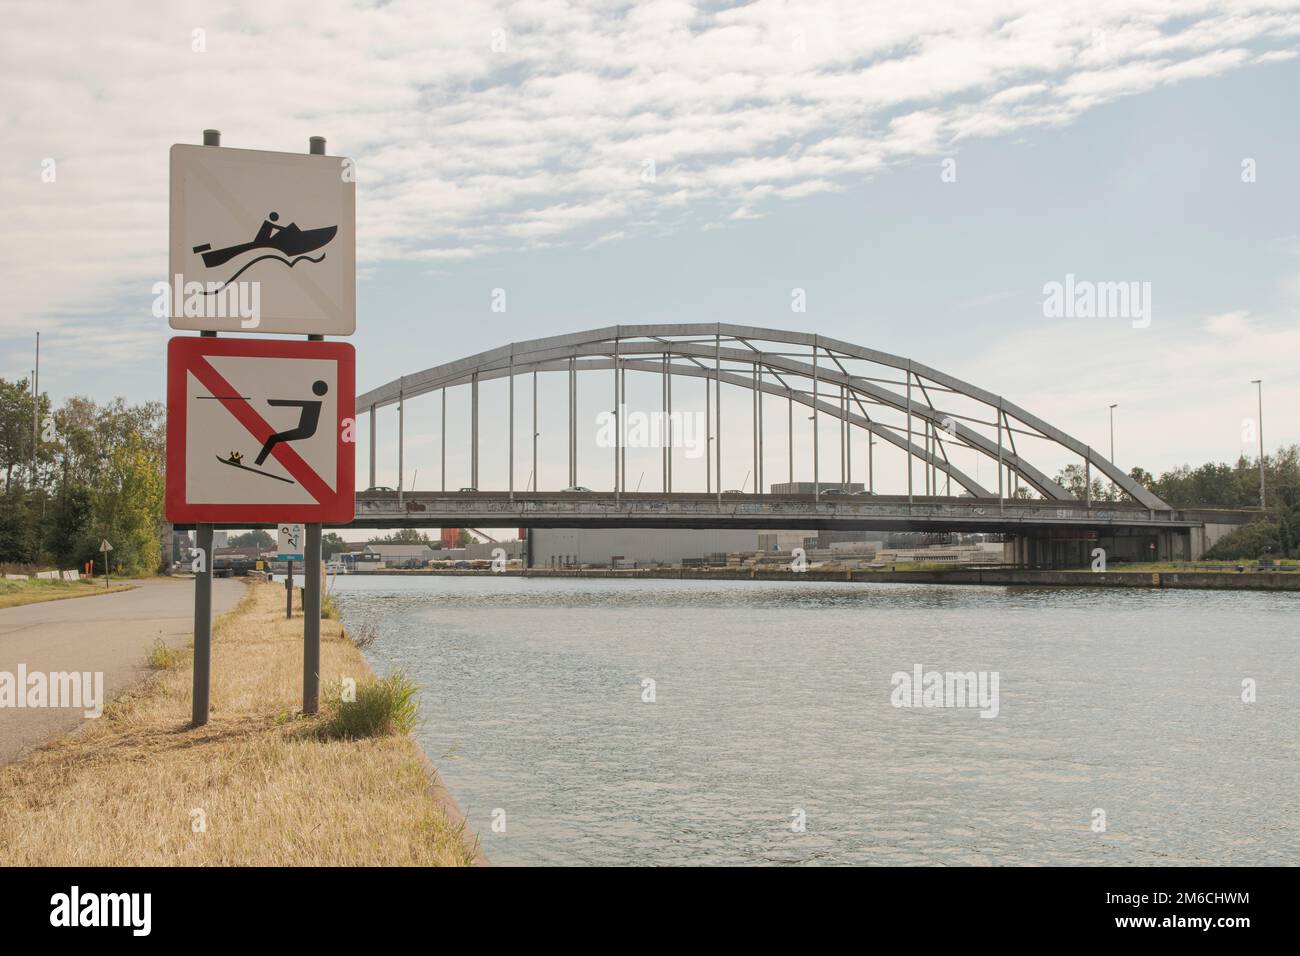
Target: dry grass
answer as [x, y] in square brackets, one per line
[272, 792]
[34, 590]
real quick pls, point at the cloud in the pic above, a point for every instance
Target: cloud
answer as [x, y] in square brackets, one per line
[1227, 323]
[481, 127]
[1175, 391]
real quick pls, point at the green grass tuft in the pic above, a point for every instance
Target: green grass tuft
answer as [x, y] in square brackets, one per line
[385, 706]
[161, 657]
[329, 607]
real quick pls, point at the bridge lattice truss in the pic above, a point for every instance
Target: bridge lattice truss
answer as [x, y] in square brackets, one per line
[934, 418]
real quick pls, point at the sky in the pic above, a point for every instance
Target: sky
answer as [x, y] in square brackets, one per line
[922, 171]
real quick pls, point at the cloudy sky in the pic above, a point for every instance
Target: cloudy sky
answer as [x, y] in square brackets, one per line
[921, 170]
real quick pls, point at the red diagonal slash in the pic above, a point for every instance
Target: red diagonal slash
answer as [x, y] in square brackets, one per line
[258, 427]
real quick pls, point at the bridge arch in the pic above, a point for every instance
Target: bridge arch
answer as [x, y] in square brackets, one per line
[919, 410]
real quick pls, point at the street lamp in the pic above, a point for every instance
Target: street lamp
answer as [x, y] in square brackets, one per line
[1112, 433]
[1259, 384]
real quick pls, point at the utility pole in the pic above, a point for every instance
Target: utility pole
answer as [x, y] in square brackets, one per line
[36, 407]
[1259, 384]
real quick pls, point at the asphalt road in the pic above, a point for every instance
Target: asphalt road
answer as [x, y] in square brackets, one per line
[111, 633]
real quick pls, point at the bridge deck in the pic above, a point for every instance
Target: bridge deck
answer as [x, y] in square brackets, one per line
[759, 511]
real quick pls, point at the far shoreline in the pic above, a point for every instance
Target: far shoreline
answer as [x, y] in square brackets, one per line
[1135, 578]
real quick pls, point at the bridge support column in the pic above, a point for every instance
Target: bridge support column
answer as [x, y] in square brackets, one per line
[511, 456]
[668, 395]
[473, 428]
[753, 416]
[790, 429]
[622, 461]
[372, 446]
[708, 439]
[534, 478]
[759, 483]
[1001, 488]
[663, 404]
[717, 387]
[844, 424]
[573, 424]
[401, 446]
[817, 485]
[618, 427]
[909, 431]
[871, 462]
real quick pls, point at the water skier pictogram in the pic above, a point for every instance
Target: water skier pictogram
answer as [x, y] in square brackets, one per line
[308, 423]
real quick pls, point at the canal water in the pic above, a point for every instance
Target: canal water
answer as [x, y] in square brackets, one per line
[770, 732]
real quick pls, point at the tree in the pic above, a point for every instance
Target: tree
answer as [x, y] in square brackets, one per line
[331, 544]
[464, 539]
[1074, 479]
[128, 506]
[1142, 477]
[403, 536]
[98, 474]
[69, 538]
[258, 538]
[18, 540]
[16, 431]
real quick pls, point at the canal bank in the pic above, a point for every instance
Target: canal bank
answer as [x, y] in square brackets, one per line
[260, 785]
[1194, 580]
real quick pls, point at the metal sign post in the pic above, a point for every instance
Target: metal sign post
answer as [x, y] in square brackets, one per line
[289, 548]
[312, 566]
[311, 622]
[202, 626]
[288, 593]
[105, 547]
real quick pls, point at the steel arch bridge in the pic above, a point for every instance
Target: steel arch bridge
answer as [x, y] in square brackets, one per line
[926, 414]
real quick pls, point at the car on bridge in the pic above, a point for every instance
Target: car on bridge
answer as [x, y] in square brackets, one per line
[577, 489]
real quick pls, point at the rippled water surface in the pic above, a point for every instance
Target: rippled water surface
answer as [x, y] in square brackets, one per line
[775, 697]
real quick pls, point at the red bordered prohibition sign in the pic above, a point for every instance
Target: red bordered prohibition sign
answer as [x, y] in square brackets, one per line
[260, 431]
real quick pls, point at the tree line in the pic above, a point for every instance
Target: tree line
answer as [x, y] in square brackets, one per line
[332, 544]
[77, 475]
[1220, 485]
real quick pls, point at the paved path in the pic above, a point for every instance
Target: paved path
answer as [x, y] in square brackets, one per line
[110, 633]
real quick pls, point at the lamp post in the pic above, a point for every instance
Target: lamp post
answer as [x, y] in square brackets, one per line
[1112, 433]
[1259, 386]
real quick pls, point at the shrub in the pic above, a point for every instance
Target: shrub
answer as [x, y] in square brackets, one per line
[161, 657]
[384, 706]
[1255, 540]
[363, 635]
[329, 607]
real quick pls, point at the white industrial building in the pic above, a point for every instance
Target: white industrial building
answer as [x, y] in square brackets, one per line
[625, 547]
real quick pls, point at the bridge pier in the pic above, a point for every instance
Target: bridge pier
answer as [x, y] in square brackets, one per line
[1072, 548]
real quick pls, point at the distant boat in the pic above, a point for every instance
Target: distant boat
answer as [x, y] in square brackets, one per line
[290, 241]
